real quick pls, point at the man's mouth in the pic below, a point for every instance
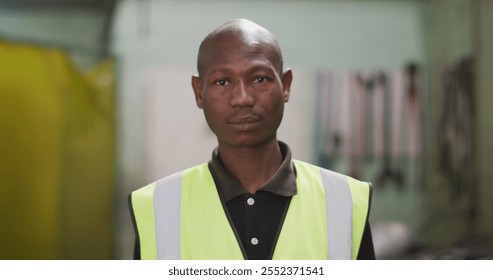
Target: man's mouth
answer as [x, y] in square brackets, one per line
[243, 119]
[243, 123]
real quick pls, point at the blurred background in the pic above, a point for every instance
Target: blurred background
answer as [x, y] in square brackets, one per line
[95, 101]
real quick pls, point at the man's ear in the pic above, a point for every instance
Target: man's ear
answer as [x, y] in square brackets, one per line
[287, 78]
[197, 89]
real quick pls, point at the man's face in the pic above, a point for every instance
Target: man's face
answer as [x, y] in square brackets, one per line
[242, 91]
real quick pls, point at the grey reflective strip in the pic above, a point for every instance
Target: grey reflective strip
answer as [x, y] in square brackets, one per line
[167, 202]
[339, 215]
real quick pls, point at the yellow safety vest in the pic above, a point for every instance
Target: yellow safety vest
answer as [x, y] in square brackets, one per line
[181, 217]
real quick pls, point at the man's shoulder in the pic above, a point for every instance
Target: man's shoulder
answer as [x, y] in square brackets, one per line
[312, 166]
[300, 163]
[173, 177]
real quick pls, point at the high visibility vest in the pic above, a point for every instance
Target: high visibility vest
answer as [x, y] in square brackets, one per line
[182, 217]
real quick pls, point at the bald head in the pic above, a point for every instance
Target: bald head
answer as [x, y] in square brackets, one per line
[236, 33]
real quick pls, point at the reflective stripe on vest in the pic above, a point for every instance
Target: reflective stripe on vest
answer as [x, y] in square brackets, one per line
[181, 217]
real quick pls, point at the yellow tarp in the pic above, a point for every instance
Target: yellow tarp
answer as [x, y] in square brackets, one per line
[57, 137]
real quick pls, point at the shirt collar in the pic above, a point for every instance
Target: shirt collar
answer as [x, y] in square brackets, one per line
[282, 183]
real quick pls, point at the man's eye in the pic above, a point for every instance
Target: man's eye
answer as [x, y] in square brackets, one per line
[260, 79]
[222, 82]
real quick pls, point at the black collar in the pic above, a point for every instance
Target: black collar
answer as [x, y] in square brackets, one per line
[282, 183]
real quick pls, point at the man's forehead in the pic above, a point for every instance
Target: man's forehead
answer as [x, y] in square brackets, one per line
[253, 66]
[238, 46]
[231, 56]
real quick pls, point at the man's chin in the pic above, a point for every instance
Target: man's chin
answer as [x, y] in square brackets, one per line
[248, 141]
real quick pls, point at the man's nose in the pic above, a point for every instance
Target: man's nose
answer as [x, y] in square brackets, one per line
[243, 95]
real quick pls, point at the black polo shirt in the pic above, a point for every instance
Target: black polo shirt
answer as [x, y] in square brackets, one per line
[257, 218]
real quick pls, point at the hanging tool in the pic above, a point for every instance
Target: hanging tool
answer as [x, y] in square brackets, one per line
[387, 173]
[369, 84]
[357, 136]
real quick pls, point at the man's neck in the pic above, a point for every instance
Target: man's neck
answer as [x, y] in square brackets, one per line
[252, 166]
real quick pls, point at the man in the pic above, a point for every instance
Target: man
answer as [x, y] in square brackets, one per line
[251, 201]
